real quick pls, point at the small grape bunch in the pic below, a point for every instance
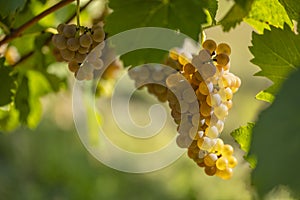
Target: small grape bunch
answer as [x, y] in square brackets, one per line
[73, 44]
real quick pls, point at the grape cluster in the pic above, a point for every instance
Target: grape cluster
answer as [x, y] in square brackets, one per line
[73, 44]
[199, 92]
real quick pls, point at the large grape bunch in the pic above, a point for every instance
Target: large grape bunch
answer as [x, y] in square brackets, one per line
[199, 92]
[73, 44]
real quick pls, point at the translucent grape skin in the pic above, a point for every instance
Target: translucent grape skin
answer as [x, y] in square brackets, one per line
[69, 31]
[73, 44]
[222, 59]
[85, 40]
[209, 45]
[223, 48]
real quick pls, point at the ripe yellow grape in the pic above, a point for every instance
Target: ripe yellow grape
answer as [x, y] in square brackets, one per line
[218, 146]
[223, 48]
[209, 45]
[212, 132]
[205, 109]
[222, 59]
[232, 161]
[173, 54]
[189, 68]
[221, 111]
[224, 174]
[183, 60]
[210, 159]
[203, 89]
[222, 163]
[227, 150]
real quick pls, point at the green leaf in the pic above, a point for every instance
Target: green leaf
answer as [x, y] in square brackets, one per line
[236, 14]
[276, 140]
[175, 14]
[293, 9]
[277, 53]
[9, 118]
[22, 100]
[265, 13]
[7, 84]
[265, 96]
[11, 7]
[243, 136]
[212, 7]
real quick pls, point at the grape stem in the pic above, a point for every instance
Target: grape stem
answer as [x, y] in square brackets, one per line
[78, 13]
[28, 55]
[17, 32]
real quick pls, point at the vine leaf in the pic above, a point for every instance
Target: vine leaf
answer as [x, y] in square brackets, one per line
[236, 14]
[243, 136]
[21, 100]
[175, 14]
[273, 13]
[277, 53]
[11, 7]
[293, 9]
[276, 140]
[8, 84]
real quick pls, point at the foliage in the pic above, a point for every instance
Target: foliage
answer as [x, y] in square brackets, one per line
[275, 49]
[276, 140]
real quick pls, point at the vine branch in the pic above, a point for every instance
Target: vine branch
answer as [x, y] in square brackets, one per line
[17, 32]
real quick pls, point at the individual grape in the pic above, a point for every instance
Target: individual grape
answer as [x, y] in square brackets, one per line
[204, 55]
[189, 68]
[188, 95]
[209, 45]
[227, 150]
[223, 48]
[183, 59]
[98, 34]
[59, 41]
[217, 148]
[73, 44]
[232, 161]
[222, 163]
[67, 54]
[220, 125]
[224, 174]
[207, 70]
[60, 28]
[205, 109]
[210, 171]
[222, 59]
[212, 132]
[203, 89]
[73, 66]
[79, 57]
[69, 31]
[228, 104]
[207, 144]
[210, 159]
[173, 54]
[83, 50]
[221, 111]
[85, 40]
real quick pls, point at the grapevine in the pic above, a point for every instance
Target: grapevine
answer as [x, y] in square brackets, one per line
[199, 112]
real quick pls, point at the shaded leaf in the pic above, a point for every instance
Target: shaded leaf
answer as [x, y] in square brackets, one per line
[11, 6]
[7, 84]
[277, 53]
[22, 100]
[276, 140]
[243, 136]
[236, 14]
